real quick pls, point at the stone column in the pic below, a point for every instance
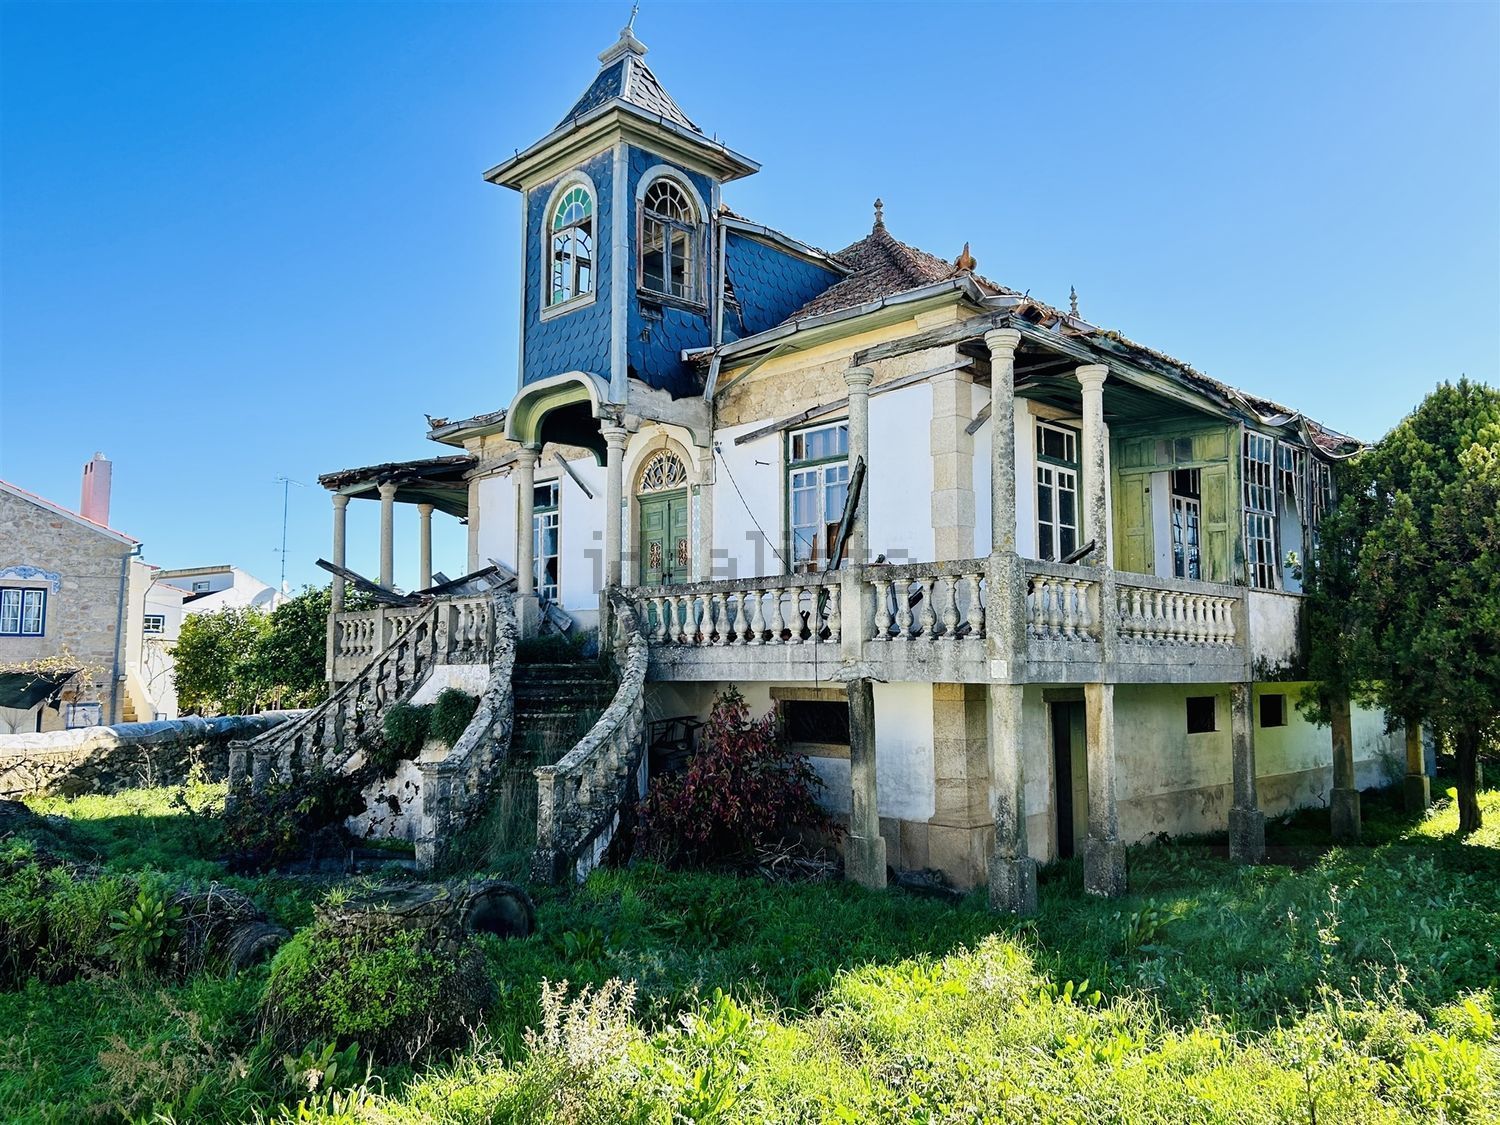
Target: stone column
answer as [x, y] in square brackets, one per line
[1344, 800]
[1012, 871]
[388, 535]
[958, 837]
[473, 518]
[1002, 343]
[864, 848]
[615, 438]
[424, 567]
[527, 610]
[340, 520]
[1417, 787]
[858, 380]
[1247, 824]
[1095, 458]
[1103, 853]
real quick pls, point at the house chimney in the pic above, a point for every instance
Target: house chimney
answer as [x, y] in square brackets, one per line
[96, 478]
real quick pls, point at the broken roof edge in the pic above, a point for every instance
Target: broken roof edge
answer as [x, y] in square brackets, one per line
[480, 425]
[427, 468]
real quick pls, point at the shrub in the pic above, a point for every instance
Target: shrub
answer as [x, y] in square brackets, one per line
[745, 788]
[55, 925]
[452, 711]
[143, 929]
[394, 992]
[406, 726]
[286, 821]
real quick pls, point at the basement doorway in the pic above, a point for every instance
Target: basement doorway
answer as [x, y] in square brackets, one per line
[1070, 776]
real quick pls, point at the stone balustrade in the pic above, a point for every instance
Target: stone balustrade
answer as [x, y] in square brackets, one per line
[928, 601]
[465, 629]
[1062, 602]
[1166, 612]
[778, 610]
[580, 797]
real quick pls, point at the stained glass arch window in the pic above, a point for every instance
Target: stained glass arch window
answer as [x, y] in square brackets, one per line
[572, 246]
[663, 472]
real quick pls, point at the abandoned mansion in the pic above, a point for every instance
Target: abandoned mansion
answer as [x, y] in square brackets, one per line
[1019, 587]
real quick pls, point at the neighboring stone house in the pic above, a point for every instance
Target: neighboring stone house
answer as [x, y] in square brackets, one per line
[65, 579]
[1066, 615]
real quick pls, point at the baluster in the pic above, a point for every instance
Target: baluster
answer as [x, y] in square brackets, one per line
[929, 609]
[1198, 618]
[1210, 620]
[718, 610]
[674, 618]
[1054, 608]
[659, 604]
[882, 611]
[903, 609]
[1063, 591]
[1231, 625]
[689, 634]
[835, 620]
[757, 624]
[796, 622]
[950, 610]
[778, 620]
[734, 604]
[976, 607]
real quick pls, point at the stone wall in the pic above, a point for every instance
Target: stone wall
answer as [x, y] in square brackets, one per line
[131, 755]
[83, 603]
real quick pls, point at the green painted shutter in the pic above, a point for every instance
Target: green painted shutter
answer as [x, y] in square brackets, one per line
[1133, 544]
[1218, 537]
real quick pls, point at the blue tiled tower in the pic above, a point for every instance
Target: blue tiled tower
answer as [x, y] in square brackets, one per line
[614, 148]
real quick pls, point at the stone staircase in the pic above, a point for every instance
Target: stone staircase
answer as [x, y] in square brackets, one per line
[558, 698]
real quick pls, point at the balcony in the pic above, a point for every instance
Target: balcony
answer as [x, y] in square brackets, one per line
[942, 623]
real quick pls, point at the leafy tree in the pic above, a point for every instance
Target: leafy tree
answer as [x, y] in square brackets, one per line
[217, 661]
[291, 656]
[1405, 605]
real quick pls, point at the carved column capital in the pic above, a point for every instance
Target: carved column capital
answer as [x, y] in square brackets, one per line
[1002, 340]
[859, 377]
[1091, 376]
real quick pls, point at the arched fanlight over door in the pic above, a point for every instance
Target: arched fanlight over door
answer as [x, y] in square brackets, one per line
[663, 472]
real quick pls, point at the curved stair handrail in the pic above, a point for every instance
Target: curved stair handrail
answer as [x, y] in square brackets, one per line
[328, 735]
[580, 797]
[453, 788]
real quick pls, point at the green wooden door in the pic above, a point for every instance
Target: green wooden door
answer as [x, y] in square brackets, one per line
[665, 551]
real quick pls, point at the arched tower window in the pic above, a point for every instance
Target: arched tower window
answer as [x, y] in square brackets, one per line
[669, 241]
[572, 246]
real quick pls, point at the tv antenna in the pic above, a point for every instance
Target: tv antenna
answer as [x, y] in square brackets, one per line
[286, 495]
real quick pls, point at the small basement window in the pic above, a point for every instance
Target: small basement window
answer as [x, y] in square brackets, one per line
[1202, 714]
[1273, 710]
[816, 721]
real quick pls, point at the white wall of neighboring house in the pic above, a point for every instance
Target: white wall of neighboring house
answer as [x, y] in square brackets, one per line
[226, 587]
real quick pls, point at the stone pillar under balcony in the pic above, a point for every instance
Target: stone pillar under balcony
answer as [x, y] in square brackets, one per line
[1247, 824]
[1344, 816]
[340, 522]
[958, 838]
[1012, 871]
[615, 438]
[864, 848]
[1095, 459]
[473, 527]
[528, 613]
[1416, 787]
[1002, 343]
[424, 557]
[1103, 853]
[388, 535]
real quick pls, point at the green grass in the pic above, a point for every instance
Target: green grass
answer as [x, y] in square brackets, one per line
[1360, 984]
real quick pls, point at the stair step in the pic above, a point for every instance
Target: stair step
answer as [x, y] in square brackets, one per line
[561, 689]
[557, 671]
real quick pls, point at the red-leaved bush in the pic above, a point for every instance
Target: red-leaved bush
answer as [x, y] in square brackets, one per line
[744, 788]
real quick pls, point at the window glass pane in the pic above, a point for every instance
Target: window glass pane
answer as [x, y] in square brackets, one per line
[682, 263]
[653, 256]
[31, 612]
[10, 611]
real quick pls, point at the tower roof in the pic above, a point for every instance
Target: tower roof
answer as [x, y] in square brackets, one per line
[624, 76]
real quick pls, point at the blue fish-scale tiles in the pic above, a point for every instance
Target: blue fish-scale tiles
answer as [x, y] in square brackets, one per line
[770, 284]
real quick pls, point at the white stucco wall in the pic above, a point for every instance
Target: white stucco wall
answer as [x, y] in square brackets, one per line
[1273, 620]
[748, 490]
[900, 475]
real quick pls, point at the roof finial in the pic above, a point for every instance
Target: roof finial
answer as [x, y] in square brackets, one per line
[879, 214]
[634, 9]
[627, 44]
[1073, 300]
[965, 262]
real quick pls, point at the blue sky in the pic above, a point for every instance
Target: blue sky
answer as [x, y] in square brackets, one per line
[245, 241]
